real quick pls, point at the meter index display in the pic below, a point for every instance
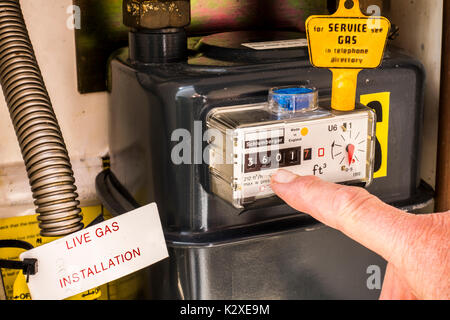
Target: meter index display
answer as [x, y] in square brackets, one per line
[334, 149]
[337, 147]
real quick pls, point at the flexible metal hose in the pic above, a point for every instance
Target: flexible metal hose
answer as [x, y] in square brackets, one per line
[43, 149]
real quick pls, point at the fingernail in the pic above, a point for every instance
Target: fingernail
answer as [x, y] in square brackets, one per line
[284, 176]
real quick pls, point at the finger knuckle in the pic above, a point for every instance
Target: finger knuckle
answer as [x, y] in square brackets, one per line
[350, 201]
[349, 198]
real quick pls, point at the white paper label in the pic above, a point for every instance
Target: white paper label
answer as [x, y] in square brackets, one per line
[267, 45]
[97, 255]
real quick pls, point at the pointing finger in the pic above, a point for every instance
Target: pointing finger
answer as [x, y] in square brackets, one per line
[360, 215]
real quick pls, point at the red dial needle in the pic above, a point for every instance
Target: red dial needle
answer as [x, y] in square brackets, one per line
[350, 151]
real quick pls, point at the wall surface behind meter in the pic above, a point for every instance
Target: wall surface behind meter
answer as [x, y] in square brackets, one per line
[82, 117]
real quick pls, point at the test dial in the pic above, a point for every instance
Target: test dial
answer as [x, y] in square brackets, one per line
[348, 148]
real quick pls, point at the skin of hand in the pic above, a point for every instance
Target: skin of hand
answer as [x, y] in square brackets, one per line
[416, 247]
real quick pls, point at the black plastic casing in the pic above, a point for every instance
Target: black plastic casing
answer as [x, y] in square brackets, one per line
[148, 102]
[267, 251]
[158, 46]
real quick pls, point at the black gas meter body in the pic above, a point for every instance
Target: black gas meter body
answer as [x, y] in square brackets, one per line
[262, 249]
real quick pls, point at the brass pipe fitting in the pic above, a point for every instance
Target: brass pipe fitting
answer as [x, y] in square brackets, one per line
[156, 14]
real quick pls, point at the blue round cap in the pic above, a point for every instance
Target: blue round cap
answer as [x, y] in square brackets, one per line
[293, 99]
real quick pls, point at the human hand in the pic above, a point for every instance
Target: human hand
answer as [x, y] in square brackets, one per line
[415, 246]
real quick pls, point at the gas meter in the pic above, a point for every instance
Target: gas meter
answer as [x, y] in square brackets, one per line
[201, 131]
[249, 143]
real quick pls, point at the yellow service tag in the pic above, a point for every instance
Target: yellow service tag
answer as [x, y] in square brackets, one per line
[26, 228]
[346, 42]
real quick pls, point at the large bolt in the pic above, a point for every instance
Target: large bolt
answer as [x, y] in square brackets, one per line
[156, 14]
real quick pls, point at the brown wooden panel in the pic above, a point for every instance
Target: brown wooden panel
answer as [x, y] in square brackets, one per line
[443, 166]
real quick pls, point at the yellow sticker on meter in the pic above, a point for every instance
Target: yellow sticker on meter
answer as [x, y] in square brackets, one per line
[380, 103]
[346, 42]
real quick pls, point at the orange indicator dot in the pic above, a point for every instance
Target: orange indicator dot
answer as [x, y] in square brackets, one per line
[304, 132]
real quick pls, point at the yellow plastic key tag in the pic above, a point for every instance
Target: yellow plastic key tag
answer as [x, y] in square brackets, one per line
[346, 42]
